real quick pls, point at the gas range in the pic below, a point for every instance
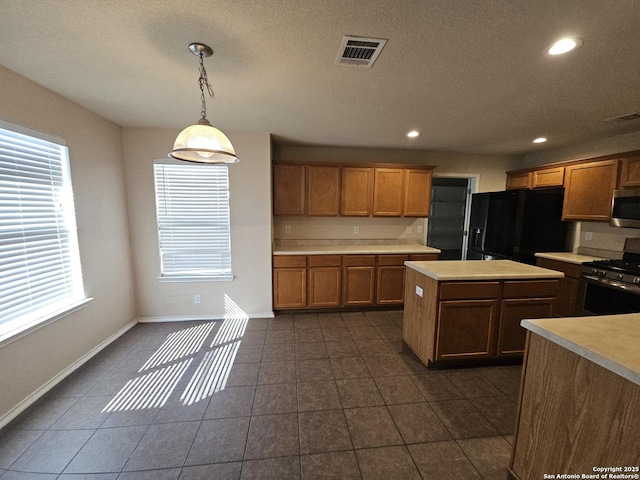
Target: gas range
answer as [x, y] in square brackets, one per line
[610, 287]
[624, 271]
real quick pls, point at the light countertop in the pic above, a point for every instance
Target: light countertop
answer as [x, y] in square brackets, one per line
[610, 341]
[444, 270]
[353, 249]
[568, 257]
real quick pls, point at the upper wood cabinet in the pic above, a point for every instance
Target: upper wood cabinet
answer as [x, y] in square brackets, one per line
[630, 172]
[589, 190]
[323, 190]
[289, 189]
[538, 178]
[547, 177]
[357, 191]
[417, 193]
[388, 192]
[351, 190]
[517, 180]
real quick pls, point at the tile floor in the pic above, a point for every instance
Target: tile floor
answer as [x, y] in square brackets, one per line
[311, 396]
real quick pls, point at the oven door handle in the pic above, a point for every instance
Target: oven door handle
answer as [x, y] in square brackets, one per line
[612, 283]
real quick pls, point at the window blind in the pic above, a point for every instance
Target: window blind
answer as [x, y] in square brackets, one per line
[192, 206]
[40, 272]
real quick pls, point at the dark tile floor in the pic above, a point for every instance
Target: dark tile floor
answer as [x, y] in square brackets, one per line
[325, 396]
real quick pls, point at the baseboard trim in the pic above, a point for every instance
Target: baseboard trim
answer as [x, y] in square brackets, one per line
[192, 318]
[36, 395]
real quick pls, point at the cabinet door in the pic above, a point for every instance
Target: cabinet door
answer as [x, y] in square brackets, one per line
[511, 336]
[324, 286]
[630, 172]
[357, 191]
[417, 193]
[289, 288]
[548, 177]
[358, 285]
[323, 191]
[466, 329]
[588, 190]
[390, 290]
[518, 180]
[288, 189]
[388, 192]
[567, 296]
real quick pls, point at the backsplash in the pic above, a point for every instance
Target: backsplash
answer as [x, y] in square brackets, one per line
[602, 240]
[342, 229]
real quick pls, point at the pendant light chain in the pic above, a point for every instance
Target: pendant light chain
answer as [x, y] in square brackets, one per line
[203, 81]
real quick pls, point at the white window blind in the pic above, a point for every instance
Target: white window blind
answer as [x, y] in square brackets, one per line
[40, 273]
[192, 206]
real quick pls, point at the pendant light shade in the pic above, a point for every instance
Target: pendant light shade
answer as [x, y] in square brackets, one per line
[203, 143]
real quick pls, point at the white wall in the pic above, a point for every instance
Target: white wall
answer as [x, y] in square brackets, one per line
[596, 238]
[490, 168]
[97, 170]
[250, 205]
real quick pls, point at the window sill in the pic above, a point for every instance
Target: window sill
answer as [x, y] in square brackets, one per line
[197, 278]
[23, 330]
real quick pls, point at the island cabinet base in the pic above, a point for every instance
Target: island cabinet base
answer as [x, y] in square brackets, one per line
[573, 416]
[455, 322]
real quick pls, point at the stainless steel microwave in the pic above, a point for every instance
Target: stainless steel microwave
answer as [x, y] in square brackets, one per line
[625, 208]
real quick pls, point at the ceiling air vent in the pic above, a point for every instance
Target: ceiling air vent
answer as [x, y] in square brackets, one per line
[359, 51]
[624, 118]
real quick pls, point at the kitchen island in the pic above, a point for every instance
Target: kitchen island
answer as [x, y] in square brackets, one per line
[579, 406]
[470, 311]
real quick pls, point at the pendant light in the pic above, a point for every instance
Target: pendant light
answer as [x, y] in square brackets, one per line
[203, 143]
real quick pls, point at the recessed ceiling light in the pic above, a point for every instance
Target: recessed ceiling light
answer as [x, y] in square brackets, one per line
[564, 45]
[540, 140]
[413, 134]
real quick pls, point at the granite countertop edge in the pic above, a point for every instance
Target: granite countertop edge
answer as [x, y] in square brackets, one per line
[568, 257]
[354, 250]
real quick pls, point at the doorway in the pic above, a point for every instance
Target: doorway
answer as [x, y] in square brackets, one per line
[449, 216]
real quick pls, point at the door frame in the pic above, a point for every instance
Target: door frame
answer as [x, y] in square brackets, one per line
[472, 187]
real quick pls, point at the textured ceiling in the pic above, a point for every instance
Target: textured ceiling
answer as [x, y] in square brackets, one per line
[470, 75]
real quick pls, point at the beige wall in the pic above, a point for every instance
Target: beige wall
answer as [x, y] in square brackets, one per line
[597, 238]
[250, 206]
[97, 170]
[490, 170]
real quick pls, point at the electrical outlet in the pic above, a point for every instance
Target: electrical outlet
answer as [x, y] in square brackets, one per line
[588, 236]
[287, 229]
[419, 229]
[356, 230]
[197, 299]
[419, 291]
[409, 229]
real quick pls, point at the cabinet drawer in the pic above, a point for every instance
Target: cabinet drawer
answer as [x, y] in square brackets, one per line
[325, 260]
[469, 290]
[530, 289]
[423, 257]
[359, 260]
[289, 261]
[569, 269]
[392, 259]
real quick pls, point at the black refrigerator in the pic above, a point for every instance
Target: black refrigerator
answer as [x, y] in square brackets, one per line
[515, 224]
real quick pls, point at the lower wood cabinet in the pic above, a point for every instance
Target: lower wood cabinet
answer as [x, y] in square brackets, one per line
[567, 298]
[465, 328]
[331, 281]
[358, 280]
[289, 281]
